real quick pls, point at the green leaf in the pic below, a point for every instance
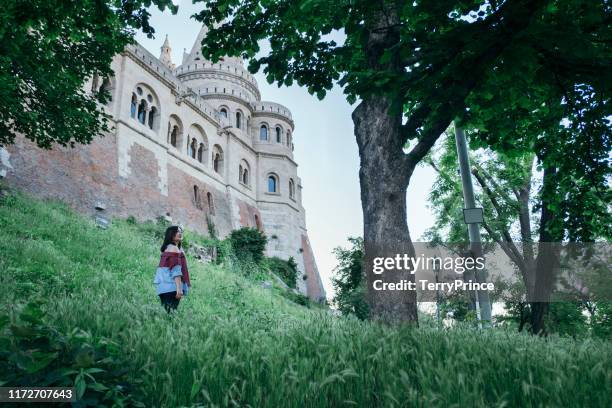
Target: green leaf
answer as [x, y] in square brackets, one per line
[195, 388]
[4, 320]
[41, 363]
[98, 387]
[80, 386]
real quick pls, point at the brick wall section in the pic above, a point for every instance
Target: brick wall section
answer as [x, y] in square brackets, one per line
[88, 174]
[182, 205]
[79, 177]
[247, 216]
[314, 286]
[140, 192]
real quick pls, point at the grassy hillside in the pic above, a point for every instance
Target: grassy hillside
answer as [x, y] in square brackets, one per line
[89, 293]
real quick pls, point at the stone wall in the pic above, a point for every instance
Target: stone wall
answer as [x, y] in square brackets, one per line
[88, 175]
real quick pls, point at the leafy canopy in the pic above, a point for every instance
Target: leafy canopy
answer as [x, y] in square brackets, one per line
[48, 49]
[549, 95]
[348, 280]
[435, 60]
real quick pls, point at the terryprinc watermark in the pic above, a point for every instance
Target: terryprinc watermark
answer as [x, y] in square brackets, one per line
[536, 272]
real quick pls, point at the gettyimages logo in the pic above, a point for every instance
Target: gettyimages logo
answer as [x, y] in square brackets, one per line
[552, 272]
[404, 261]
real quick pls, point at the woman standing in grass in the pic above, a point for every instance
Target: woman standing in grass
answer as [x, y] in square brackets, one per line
[172, 277]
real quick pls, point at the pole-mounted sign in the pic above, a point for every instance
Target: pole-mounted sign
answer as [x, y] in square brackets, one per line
[473, 215]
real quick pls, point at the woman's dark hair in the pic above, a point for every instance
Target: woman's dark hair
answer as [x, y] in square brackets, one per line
[169, 237]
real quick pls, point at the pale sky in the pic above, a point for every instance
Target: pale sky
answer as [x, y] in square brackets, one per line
[325, 150]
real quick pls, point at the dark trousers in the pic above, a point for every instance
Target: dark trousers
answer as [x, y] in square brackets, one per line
[169, 301]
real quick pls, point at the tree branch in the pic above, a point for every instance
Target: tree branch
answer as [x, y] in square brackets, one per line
[499, 210]
[515, 257]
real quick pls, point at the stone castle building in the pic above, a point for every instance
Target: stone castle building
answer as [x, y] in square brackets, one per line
[194, 143]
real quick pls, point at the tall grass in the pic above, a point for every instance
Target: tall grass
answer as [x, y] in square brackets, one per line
[233, 343]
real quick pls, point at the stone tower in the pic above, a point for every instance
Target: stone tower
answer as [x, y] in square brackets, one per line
[166, 54]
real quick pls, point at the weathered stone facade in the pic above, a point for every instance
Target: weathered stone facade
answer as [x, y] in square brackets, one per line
[194, 142]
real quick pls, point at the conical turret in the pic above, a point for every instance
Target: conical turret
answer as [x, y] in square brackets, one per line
[196, 52]
[227, 77]
[166, 54]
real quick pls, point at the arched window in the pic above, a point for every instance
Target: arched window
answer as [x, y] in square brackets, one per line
[278, 135]
[245, 177]
[133, 105]
[288, 139]
[217, 159]
[201, 152]
[197, 144]
[211, 204]
[95, 82]
[238, 120]
[142, 111]
[291, 189]
[175, 132]
[174, 135]
[147, 111]
[263, 133]
[223, 112]
[196, 197]
[244, 172]
[152, 113]
[272, 184]
[107, 86]
[191, 148]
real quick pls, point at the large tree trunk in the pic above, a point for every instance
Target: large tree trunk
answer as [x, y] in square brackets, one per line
[384, 173]
[547, 261]
[383, 196]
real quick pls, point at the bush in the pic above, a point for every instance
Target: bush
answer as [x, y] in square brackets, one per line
[224, 251]
[286, 270]
[348, 280]
[248, 244]
[155, 230]
[212, 230]
[36, 353]
[296, 298]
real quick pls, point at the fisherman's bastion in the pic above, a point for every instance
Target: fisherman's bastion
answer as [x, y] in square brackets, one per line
[193, 143]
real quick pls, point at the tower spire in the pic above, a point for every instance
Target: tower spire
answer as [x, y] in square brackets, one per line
[195, 55]
[166, 54]
[196, 50]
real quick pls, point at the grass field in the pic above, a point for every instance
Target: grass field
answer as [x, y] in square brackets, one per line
[79, 308]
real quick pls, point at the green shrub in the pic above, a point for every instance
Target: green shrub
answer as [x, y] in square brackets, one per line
[224, 251]
[297, 298]
[286, 270]
[33, 352]
[154, 230]
[212, 230]
[348, 280]
[248, 244]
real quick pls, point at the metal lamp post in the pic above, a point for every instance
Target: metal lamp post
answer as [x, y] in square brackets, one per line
[473, 216]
